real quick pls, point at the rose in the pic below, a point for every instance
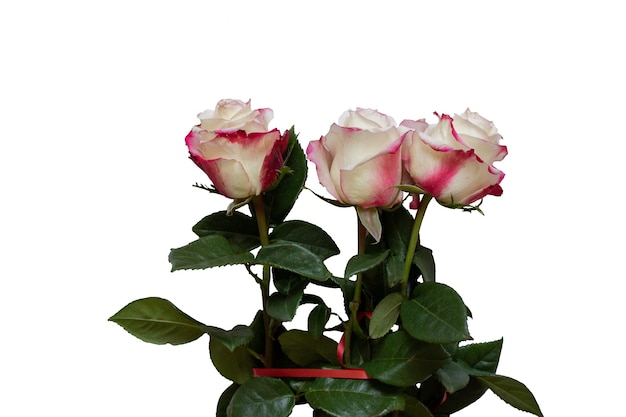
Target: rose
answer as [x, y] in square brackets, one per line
[234, 147]
[452, 160]
[359, 161]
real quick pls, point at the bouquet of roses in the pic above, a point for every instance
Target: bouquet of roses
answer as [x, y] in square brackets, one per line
[399, 347]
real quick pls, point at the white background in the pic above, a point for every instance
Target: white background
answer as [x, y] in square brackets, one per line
[96, 98]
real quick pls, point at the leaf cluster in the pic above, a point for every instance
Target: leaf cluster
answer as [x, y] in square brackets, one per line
[413, 341]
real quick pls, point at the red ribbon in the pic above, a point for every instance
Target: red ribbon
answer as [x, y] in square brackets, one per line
[353, 373]
[444, 397]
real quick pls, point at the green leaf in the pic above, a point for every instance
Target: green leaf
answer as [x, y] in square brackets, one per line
[312, 299]
[451, 348]
[318, 317]
[307, 235]
[351, 398]
[156, 320]
[456, 401]
[402, 361]
[238, 336]
[281, 200]
[361, 351]
[286, 282]
[321, 413]
[385, 315]
[435, 314]
[282, 307]
[257, 344]
[262, 397]
[207, 252]
[394, 269]
[224, 400]
[241, 231]
[305, 350]
[424, 260]
[415, 408]
[452, 376]
[480, 359]
[235, 365]
[397, 226]
[294, 258]
[364, 262]
[512, 392]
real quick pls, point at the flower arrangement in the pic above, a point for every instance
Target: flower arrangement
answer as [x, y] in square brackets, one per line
[402, 345]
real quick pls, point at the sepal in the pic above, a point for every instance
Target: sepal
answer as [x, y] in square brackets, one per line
[282, 196]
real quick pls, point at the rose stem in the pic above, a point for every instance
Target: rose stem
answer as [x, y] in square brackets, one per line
[261, 219]
[415, 233]
[356, 300]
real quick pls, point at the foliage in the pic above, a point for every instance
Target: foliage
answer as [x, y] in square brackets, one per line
[407, 331]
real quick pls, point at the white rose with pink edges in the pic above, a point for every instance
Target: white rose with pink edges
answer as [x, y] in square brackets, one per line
[359, 162]
[235, 148]
[452, 160]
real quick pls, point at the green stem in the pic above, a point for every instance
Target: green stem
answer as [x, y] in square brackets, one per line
[261, 218]
[353, 324]
[414, 240]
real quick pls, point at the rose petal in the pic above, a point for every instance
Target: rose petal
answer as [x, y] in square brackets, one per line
[368, 119]
[371, 184]
[473, 181]
[481, 127]
[232, 115]
[352, 147]
[419, 125]
[481, 135]
[436, 167]
[317, 153]
[228, 176]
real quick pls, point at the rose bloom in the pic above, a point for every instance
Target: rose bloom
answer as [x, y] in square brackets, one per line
[452, 160]
[235, 148]
[359, 161]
